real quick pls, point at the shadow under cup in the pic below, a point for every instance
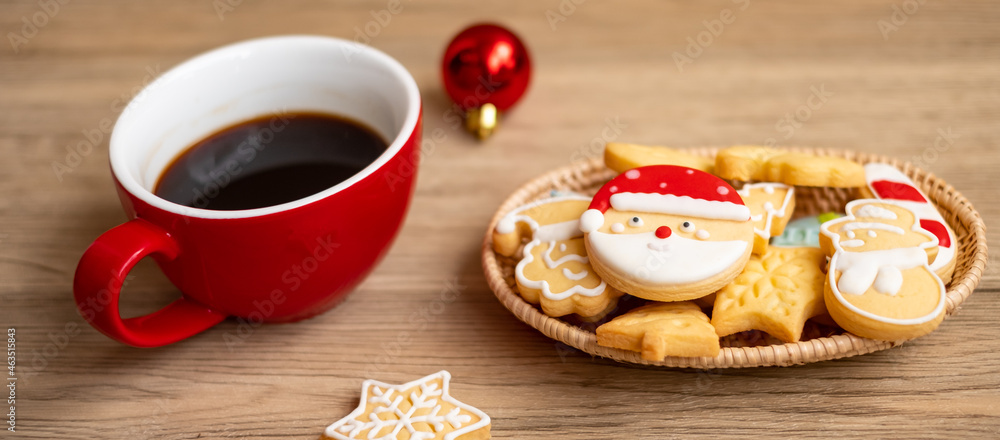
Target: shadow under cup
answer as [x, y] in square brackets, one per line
[278, 263]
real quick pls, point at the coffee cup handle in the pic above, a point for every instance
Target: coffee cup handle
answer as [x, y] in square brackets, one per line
[98, 282]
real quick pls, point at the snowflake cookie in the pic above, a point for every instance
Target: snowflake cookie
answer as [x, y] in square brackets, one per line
[418, 410]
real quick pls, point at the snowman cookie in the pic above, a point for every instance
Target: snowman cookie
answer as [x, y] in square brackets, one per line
[667, 233]
[879, 283]
[888, 183]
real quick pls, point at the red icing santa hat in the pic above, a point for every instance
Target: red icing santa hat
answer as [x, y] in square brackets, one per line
[666, 189]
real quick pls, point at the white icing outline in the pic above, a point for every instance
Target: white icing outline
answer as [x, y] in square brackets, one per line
[543, 285]
[832, 273]
[851, 226]
[547, 257]
[332, 431]
[771, 212]
[508, 223]
[923, 210]
[574, 276]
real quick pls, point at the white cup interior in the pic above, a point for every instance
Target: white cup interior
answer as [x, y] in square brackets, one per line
[257, 78]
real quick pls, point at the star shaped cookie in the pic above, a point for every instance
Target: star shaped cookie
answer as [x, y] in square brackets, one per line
[418, 410]
[776, 293]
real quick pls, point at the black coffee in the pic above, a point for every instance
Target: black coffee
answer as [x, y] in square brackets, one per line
[269, 161]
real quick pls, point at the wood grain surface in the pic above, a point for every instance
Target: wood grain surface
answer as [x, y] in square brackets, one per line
[603, 70]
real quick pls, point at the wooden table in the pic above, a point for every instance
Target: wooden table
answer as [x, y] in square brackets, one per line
[895, 84]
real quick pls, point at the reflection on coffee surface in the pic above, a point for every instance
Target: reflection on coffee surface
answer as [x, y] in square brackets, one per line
[268, 161]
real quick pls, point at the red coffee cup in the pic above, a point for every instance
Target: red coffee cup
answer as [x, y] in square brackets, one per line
[280, 263]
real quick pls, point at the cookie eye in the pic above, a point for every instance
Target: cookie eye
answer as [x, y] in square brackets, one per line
[687, 227]
[635, 222]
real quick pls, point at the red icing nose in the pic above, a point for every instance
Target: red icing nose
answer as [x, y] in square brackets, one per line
[663, 231]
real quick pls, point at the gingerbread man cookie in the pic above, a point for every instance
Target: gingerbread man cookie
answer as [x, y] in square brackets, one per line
[667, 233]
[879, 282]
[554, 270]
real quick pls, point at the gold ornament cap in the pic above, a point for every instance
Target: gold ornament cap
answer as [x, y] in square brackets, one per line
[482, 121]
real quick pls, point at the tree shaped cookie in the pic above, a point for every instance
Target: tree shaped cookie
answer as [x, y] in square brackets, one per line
[776, 293]
[554, 270]
[418, 410]
[879, 283]
[662, 329]
[771, 206]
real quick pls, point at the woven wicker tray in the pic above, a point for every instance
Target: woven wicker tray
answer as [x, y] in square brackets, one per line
[587, 176]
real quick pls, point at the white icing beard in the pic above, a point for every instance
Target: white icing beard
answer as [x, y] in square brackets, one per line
[667, 261]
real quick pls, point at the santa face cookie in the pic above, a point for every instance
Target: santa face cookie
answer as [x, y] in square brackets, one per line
[667, 233]
[879, 283]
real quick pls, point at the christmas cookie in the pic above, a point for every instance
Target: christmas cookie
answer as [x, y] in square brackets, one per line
[667, 233]
[744, 162]
[757, 163]
[662, 329]
[776, 293]
[421, 409]
[802, 169]
[555, 218]
[771, 206]
[888, 183]
[879, 283]
[554, 271]
[623, 157]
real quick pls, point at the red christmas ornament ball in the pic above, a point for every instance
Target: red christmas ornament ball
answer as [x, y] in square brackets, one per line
[486, 64]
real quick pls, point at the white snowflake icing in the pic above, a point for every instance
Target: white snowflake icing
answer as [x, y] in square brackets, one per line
[427, 397]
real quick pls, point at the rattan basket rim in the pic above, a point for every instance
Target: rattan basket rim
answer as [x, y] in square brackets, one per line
[955, 208]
